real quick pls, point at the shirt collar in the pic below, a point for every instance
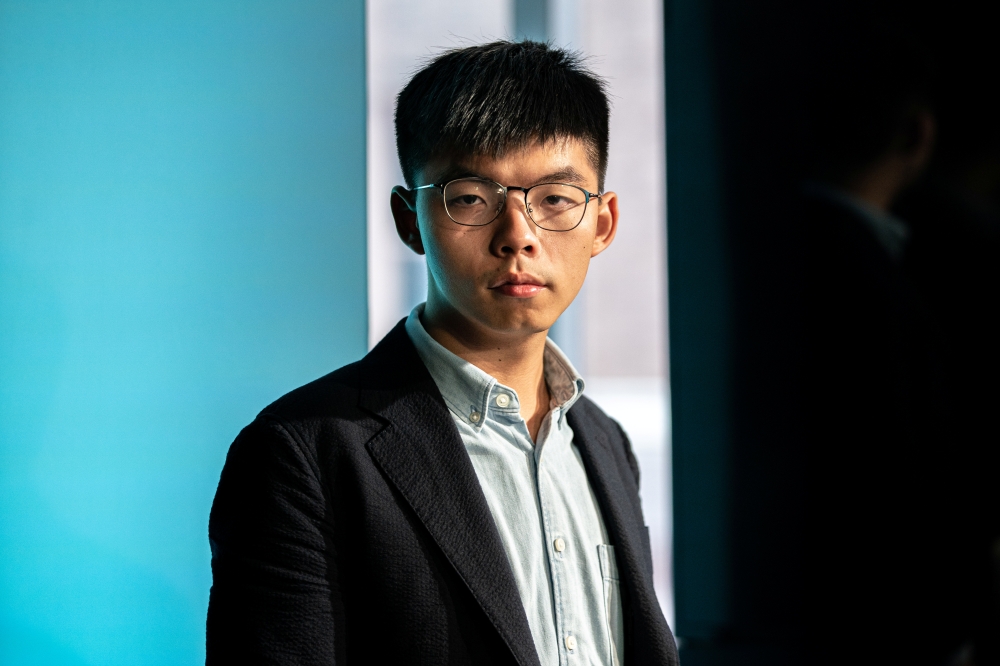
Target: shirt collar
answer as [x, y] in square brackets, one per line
[892, 233]
[470, 393]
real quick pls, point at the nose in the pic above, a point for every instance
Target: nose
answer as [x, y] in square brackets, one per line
[514, 232]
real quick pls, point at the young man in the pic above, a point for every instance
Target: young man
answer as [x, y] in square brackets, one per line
[452, 498]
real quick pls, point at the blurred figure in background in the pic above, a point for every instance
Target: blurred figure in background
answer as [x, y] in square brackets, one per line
[889, 556]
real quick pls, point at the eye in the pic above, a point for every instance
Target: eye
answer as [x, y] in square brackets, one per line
[556, 201]
[466, 200]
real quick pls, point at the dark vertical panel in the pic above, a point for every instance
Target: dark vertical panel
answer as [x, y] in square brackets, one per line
[760, 126]
[734, 256]
[753, 443]
[700, 326]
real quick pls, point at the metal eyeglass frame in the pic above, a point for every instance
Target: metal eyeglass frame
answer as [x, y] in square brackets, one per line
[503, 205]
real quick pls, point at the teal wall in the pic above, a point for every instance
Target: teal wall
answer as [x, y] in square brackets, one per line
[182, 240]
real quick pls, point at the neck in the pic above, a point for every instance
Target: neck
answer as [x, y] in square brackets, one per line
[514, 360]
[880, 182]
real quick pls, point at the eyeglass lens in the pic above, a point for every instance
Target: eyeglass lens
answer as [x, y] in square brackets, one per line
[552, 206]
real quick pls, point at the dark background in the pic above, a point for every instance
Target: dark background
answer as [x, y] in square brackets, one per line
[741, 138]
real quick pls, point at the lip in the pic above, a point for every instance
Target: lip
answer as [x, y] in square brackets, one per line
[518, 285]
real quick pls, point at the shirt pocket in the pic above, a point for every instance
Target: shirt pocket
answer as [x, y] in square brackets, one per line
[612, 605]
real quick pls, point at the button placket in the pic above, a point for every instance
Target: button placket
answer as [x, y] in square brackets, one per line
[555, 560]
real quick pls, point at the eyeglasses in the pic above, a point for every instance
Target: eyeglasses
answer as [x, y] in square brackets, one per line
[475, 202]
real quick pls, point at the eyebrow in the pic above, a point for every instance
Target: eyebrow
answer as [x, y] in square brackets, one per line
[457, 171]
[567, 174]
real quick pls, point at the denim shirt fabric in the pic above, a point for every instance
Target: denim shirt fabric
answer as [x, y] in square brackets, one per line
[541, 501]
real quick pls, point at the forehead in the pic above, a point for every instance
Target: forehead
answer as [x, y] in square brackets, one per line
[562, 159]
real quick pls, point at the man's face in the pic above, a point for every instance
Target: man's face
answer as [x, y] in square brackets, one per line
[508, 277]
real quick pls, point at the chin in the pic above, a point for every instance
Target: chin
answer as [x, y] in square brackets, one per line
[519, 320]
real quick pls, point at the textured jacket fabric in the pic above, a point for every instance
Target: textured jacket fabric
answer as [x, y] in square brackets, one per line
[349, 528]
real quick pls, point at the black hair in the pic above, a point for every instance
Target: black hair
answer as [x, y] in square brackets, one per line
[493, 98]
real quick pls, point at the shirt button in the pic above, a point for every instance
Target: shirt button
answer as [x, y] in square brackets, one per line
[474, 417]
[570, 642]
[503, 400]
[560, 546]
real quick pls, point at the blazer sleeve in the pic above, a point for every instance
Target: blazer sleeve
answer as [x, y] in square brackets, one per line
[274, 595]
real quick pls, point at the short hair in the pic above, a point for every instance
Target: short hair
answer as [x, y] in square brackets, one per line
[491, 99]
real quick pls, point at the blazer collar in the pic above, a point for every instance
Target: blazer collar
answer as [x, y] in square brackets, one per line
[650, 640]
[421, 453]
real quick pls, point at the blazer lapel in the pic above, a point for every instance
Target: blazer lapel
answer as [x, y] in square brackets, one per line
[651, 641]
[422, 455]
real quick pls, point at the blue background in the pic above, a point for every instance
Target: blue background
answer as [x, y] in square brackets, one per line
[182, 240]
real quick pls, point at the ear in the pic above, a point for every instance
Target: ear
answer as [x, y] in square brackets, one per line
[403, 203]
[923, 136]
[914, 144]
[607, 222]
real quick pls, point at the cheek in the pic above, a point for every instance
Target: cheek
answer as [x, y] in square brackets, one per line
[570, 262]
[451, 257]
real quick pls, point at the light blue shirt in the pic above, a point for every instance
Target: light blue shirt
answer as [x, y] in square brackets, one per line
[541, 501]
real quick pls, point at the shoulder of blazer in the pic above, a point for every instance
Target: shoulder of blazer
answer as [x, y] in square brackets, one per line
[588, 416]
[391, 369]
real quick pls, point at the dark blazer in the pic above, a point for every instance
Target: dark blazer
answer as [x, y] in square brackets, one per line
[878, 534]
[349, 527]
